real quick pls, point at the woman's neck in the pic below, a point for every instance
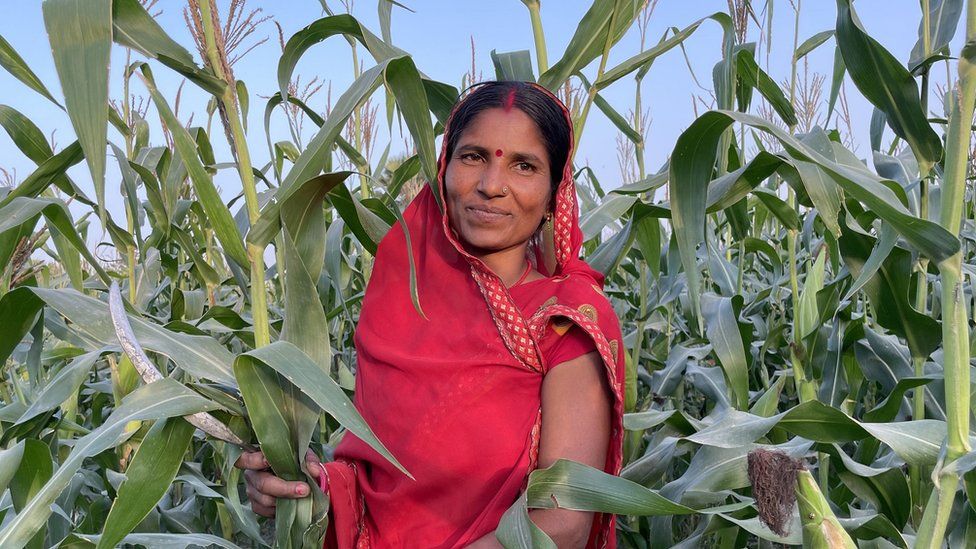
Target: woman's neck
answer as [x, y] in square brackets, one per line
[508, 264]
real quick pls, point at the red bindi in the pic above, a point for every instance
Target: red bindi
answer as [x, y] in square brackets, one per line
[498, 153]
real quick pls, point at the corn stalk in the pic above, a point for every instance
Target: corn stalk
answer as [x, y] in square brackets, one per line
[230, 112]
[955, 319]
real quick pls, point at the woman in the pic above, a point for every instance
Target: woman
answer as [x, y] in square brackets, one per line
[516, 364]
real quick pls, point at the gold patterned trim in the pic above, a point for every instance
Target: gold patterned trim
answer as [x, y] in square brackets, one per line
[589, 311]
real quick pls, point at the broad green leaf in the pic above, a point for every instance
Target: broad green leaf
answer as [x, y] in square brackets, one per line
[640, 421]
[517, 531]
[322, 29]
[22, 209]
[727, 190]
[25, 134]
[134, 28]
[305, 325]
[35, 470]
[753, 76]
[571, 485]
[888, 85]
[812, 43]
[62, 386]
[295, 367]
[405, 172]
[9, 463]
[69, 253]
[608, 255]
[404, 79]
[779, 208]
[48, 172]
[129, 190]
[268, 225]
[609, 211]
[218, 214]
[618, 120]
[201, 356]
[836, 80]
[384, 12]
[885, 488]
[722, 330]
[368, 227]
[319, 149]
[888, 408]
[18, 68]
[514, 65]
[890, 290]
[734, 429]
[80, 32]
[768, 403]
[943, 22]
[164, 398]
[279, 415]
[688, 179]
[692, 165]
[147, 478]
[606, 21]
[168, 541]
[207, 275]
[647, 56]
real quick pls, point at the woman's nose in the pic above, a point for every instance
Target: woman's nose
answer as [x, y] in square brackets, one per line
[492, 179]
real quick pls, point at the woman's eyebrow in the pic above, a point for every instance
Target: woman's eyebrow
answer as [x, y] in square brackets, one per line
[473, 148]
[526, 157]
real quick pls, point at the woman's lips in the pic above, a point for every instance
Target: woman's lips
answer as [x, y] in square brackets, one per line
[487, 214]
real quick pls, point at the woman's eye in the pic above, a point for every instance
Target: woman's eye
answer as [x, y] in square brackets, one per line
[471, 157]
[525, 167]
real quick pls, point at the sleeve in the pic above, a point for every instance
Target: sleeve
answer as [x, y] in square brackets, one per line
[564, 342]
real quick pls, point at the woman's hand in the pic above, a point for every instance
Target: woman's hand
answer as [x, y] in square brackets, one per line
[264, 488]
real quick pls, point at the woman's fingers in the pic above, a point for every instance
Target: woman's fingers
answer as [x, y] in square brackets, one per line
[268, 484]
[259, 498]
[252, 460]
[313, 465]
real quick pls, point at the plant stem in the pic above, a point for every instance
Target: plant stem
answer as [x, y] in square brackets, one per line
[921, 283]
[228, 102]
[542, 59]
[955, 326]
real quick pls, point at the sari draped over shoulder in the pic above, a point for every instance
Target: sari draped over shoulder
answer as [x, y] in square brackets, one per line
[455, 394]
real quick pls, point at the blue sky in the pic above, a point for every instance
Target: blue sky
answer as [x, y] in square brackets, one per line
[438, 34]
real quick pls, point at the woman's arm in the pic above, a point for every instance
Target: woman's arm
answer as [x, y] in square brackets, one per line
[576, 411]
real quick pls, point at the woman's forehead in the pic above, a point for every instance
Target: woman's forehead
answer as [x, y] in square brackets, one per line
[497, 128]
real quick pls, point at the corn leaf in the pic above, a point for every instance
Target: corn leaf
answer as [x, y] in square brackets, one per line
[80, 32]
[18, 68]
[164, 398]
[147, 478]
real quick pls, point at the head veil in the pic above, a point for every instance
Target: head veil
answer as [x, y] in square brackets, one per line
[455, 394]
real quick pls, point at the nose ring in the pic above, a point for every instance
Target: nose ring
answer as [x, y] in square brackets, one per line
[505, 191]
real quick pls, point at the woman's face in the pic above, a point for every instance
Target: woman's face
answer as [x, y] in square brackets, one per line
[498, 149]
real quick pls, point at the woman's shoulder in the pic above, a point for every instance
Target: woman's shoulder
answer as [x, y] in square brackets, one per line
[581, 293]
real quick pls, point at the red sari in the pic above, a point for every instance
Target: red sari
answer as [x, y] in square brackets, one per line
[456, 397]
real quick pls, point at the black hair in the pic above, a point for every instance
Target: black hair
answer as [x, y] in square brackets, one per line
[547, 114]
